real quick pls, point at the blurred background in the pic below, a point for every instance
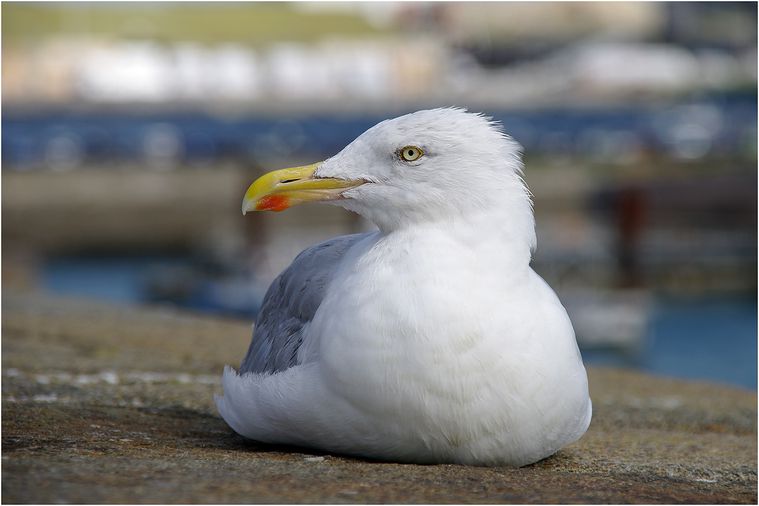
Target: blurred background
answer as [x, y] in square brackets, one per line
[130, 132]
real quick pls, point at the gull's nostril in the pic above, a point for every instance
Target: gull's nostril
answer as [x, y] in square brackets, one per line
[289, 180]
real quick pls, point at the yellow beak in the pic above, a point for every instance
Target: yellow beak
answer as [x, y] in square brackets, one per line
[280, 189]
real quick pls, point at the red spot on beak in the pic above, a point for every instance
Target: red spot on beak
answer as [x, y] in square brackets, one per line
[273, 203]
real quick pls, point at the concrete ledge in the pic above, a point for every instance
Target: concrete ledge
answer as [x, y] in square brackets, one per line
[111, 405]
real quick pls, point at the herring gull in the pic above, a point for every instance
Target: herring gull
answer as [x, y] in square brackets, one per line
[429, 340]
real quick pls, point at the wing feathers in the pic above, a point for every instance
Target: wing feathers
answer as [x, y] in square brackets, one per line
[290, 303]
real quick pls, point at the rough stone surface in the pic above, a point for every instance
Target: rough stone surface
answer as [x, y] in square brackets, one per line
[113, 405]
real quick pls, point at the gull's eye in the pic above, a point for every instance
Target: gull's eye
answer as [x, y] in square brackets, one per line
[411, 153]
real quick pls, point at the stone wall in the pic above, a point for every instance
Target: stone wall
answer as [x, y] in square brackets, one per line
[111, 405]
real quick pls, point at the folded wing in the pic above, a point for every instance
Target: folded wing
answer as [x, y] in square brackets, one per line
[290, 304]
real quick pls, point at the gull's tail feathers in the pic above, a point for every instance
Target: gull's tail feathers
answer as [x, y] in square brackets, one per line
[244, 405]
[271, 408]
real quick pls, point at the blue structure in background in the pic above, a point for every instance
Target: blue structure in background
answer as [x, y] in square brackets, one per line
[95, 137]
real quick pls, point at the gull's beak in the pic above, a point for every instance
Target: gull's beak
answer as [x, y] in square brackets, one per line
[280, 189]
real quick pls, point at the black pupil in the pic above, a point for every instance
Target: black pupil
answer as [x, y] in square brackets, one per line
[410, 152]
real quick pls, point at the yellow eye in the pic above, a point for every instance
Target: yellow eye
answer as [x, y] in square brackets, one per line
[411, 153]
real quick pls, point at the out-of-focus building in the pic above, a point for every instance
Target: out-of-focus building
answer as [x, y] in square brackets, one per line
[521, 23]
[104, 71]
[500, 54]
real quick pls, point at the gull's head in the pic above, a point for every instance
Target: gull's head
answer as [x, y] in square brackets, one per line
[434, 165]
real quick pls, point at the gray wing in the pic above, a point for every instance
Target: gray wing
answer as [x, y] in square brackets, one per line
[290, 302]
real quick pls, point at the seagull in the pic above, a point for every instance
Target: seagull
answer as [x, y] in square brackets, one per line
[429, 339]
